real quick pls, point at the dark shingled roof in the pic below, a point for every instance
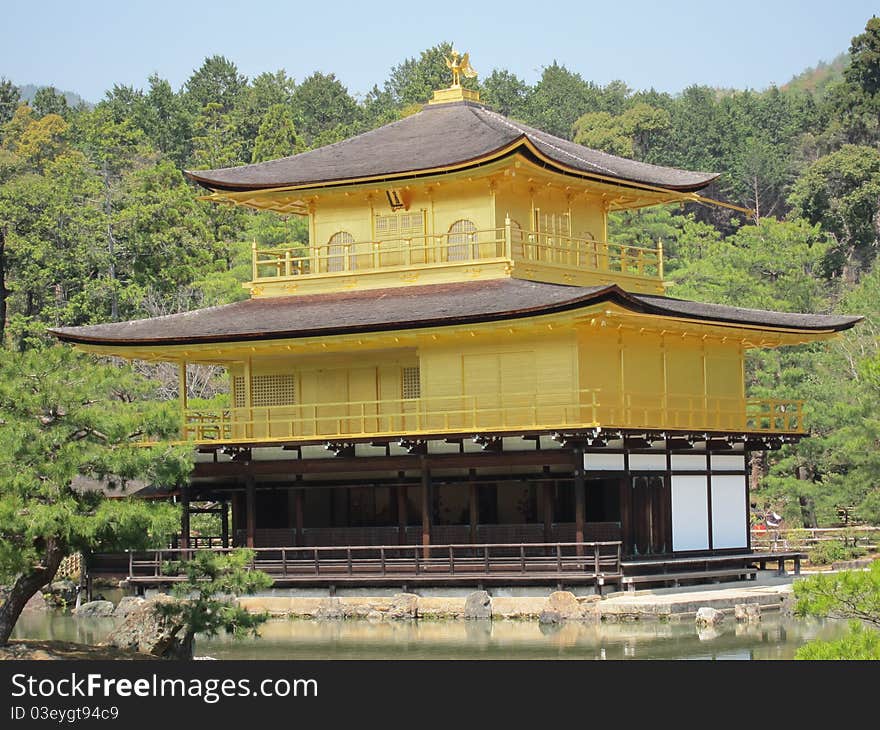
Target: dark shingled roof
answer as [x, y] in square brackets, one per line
[413, 307]
[441, 135]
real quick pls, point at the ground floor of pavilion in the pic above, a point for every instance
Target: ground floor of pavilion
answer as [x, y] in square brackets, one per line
[544, 508]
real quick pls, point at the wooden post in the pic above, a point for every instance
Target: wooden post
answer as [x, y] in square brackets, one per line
[298, 497]
[579, 498]
[548, 511]
[402, 510]
[184, 518]
[473, 509]
[426, 508]
[224, 525]
[250, 512]
[182, 399]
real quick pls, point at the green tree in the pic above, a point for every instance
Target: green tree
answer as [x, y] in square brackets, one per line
[216, 81]
[322, 103]
[559, 99]
[506, 93]
[9, 100]
[628, 135]
[265, 92]
[277, 135]
[852, 595]
[64, 417]
[841, 191]
[206, 597]
[48, 100]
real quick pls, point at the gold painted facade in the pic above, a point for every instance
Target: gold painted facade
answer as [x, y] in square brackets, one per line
[508, 215]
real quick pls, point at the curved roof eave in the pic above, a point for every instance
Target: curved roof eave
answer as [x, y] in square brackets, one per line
[461, 304]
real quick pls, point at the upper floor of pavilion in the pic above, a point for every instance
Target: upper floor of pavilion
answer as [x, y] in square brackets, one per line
[454, 192]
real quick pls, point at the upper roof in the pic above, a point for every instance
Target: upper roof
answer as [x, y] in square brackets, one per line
[430, 305]
[441, 136]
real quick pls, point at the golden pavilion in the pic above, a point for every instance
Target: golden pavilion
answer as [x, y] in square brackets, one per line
[460, 379]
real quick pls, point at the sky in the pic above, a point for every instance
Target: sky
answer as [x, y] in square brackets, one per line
[87, 46]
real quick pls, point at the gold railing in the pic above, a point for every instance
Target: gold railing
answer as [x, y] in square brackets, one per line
[481, 413]
[452, 248]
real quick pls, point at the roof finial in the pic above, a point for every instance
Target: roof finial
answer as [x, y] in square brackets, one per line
[460, 65]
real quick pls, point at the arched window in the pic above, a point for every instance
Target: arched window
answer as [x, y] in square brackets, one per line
[336, 250]
[461, 235]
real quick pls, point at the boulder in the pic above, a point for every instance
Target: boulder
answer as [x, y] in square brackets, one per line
[94, 609]
[61, 594]
[147, 631]
[330, 609]
[403, 606]
[127, 604]
[707, 616]
[747, 612]
[36, 602]
[478, 605]
[565, 606]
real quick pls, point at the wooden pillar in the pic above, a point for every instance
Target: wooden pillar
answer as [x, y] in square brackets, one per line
[182, 398]
[298, 498]
[579, 497]
[426, 507]
[473, 507]
[548, 489]
[250, 511]
[402, 511]
[184, 517]
[224, 525]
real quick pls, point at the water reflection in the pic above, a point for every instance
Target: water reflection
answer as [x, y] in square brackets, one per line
[772, 638]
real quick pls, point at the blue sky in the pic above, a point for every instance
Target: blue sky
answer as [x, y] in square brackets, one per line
[88, 45]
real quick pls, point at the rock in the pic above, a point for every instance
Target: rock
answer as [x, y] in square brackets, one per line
[147, 631]
[61, 594]
[550, 617]
[707, 616]
[747, 612]
[37, 602]
[565, 606]
[478, 605]
[94, 609]
[330, 609]
[403, 606]
[787, 605]
[375, 616]
[127, 604]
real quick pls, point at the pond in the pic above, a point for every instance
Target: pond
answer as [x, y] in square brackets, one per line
[774, 637]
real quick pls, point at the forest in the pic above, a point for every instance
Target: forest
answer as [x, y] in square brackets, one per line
[98, 223]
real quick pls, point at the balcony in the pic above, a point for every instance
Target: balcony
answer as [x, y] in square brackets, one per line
[489, 253]
[525, 412]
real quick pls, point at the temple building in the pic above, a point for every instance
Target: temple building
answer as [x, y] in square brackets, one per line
[460, 368]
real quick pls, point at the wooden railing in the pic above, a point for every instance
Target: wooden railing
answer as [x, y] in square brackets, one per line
[476, 413]
[406, 562]
[451, 248]
[864, 536]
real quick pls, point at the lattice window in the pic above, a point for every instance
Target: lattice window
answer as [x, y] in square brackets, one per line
[410, 382]
[337, 248]
[238, 391]
[461, 235]
[266, 390]
[400, 225]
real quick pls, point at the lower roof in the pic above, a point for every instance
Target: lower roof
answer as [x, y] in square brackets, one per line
[413, 307]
